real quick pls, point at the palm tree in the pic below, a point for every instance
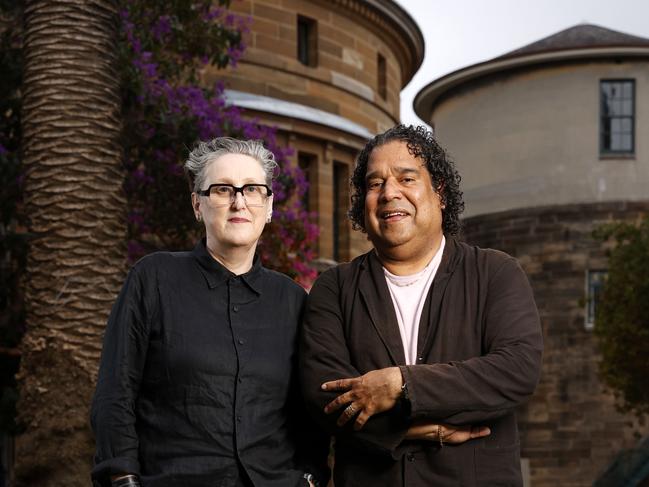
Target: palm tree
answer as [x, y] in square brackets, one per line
[76, 210]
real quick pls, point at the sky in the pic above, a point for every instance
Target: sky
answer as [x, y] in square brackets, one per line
[459, 33]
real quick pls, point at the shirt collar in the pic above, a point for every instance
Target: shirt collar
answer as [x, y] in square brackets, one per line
[431, 268]
[450, 258]
[216, 273]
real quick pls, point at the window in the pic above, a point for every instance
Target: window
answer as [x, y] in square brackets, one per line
[617, 111]
[307, 41]
[382, 76]
[341, 205]
[307, 163]
[594, 283]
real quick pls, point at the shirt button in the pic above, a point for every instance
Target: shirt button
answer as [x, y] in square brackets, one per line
[238, 419]
[410, 457]
[241, 342]
[240, 380]
[421, 359]
[235, 308]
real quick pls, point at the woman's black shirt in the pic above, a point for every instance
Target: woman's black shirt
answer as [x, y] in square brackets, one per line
[197, 382]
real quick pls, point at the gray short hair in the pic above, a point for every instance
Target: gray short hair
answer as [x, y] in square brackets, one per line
[204, 153]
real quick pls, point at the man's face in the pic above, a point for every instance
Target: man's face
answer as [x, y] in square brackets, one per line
[403, 212]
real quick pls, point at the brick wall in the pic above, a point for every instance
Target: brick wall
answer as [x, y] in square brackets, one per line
[345, 80]
[570, 430]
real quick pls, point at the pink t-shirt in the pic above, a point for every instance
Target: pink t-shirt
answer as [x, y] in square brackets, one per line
[408, 296]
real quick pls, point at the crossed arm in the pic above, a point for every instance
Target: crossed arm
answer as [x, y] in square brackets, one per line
[451, 396]
[378, 391]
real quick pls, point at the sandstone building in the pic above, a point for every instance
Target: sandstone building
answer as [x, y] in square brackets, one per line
[551, 140]
[328, 74]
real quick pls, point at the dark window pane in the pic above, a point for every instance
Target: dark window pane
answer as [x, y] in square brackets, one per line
[302, 42]
[382, 77]
[594, 283]
[341, 206]
[307, 41]
[307, 163]
[617, 116]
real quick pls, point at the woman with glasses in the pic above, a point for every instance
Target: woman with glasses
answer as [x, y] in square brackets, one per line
[197, 379]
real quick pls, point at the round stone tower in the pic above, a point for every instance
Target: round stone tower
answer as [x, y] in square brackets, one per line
[551, 141]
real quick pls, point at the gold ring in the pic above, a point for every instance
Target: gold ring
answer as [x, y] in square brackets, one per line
[350, 410]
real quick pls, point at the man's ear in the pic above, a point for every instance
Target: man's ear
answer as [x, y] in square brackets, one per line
[440, 194]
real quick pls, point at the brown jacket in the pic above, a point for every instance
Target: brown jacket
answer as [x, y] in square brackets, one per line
[479, 356]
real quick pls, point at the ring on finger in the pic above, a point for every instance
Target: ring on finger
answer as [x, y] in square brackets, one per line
[350, 410]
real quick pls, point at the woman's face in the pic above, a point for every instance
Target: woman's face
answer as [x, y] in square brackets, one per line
[236, 224]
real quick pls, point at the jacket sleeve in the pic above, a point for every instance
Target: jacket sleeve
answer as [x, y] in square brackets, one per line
[312, 441]
[122, 361]
[486, 387]
[324, 356]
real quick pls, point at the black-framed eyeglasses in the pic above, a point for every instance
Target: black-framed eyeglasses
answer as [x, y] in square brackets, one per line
[221, 194]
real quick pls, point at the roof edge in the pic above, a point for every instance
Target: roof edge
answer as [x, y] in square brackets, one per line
[298, 111]
[426, 98]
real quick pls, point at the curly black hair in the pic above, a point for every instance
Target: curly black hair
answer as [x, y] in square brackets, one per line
[421, 144]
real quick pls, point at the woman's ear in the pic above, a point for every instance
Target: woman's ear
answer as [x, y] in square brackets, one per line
[269, 213]
[196, 203]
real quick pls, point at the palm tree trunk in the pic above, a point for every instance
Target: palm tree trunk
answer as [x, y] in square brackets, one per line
[76, 209]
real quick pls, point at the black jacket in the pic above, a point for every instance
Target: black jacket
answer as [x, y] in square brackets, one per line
[479, 356]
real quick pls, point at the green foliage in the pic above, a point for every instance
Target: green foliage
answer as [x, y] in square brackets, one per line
[622, 315]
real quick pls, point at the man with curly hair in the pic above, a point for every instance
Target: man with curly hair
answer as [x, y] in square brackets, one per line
[416, 354]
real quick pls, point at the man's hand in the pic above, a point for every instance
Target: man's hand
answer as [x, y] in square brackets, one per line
[450, 434]
[371, 393]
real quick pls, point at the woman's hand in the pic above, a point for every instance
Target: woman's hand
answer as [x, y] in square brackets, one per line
[449, 434]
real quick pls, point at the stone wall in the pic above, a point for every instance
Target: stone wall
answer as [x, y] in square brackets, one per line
[570, 430]
[345, 80]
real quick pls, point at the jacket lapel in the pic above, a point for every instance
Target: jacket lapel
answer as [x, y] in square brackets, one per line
[432, 308]
[376, 297]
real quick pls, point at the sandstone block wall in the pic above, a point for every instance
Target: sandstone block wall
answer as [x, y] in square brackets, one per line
[570, 429]
[344, 82]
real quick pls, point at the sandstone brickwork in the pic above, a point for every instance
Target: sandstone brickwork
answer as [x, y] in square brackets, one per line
[570, 429]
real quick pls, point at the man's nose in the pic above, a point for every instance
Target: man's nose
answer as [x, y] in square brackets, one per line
[391, 189]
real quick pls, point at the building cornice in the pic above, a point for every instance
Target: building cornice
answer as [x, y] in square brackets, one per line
[298, 111]
[392, 23]
[427, 98]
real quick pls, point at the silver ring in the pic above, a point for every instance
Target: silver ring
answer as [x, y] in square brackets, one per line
[350, 410]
